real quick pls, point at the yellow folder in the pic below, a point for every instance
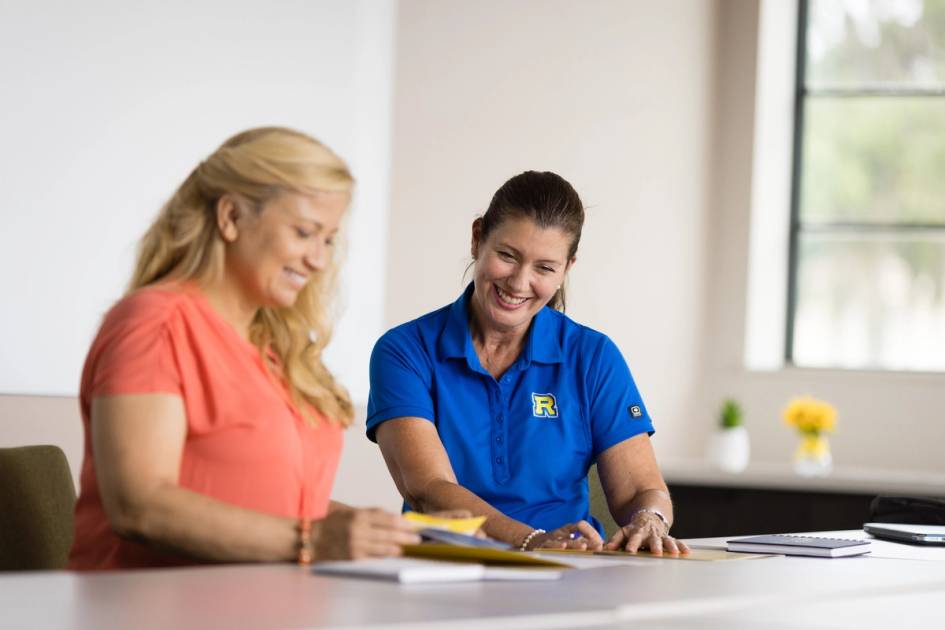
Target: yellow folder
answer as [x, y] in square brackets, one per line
[482, 555]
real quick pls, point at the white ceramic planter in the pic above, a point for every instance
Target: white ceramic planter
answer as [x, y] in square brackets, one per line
[729, 449]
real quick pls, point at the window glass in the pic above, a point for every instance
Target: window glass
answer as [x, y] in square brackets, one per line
[873, 159]
[867, 289]
[871, 301]
[876, 42]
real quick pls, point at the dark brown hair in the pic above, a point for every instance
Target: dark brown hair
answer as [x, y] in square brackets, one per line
[547, 199]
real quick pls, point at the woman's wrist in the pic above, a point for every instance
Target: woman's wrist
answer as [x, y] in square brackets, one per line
[530, 539]
[655, 513]
[305, 542]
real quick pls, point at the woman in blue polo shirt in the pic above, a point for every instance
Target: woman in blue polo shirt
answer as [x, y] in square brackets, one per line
[499, 403]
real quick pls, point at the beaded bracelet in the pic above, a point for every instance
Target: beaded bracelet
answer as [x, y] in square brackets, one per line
[528, 538]
[305, 554]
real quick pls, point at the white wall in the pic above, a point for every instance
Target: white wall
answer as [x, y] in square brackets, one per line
[614, 96]
[107, 106]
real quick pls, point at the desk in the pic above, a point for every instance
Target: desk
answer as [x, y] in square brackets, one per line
[781, 476]
[768, 498]
[780, 592]
[879, 548]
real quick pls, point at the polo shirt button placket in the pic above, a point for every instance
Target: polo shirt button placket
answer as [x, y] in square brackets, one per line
[495, 409]
[500, 456]
[500, 450]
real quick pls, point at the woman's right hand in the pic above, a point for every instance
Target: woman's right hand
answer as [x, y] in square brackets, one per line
[361, 533]
[580, 535]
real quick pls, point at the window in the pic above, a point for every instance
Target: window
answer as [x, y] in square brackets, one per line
[866, 287]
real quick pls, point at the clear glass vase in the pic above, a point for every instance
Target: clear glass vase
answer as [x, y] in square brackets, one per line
[812, 457]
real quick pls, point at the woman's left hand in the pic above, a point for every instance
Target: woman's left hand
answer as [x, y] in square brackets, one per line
[646, 531]
[580, 535]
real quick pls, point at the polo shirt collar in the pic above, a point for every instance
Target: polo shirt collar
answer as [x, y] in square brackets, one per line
[455, 337]
[542, 343]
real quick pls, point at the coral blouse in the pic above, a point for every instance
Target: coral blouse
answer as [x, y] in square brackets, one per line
[247, 444]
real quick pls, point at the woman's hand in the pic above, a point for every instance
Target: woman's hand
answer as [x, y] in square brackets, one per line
[646, 531]
[580, 535]
[361, 533]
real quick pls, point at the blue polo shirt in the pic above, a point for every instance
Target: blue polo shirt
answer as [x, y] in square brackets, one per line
[525, 442]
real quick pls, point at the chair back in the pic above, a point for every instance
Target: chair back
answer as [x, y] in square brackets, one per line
[599, 507]
[37, 499]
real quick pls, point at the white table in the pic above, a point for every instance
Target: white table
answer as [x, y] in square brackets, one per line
[775, 592]
[781, 476]
[879, 548]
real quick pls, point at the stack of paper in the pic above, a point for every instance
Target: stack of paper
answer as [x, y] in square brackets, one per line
[414, 571]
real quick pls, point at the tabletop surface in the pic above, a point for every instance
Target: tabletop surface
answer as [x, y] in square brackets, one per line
[666, 593]
[879, 548]
[781, 476]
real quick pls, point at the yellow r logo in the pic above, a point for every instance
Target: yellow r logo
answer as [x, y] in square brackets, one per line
[544, 406]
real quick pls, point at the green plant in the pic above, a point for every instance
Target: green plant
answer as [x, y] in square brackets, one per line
[731, 414]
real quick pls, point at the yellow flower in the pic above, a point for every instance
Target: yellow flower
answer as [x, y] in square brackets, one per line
[810, 416]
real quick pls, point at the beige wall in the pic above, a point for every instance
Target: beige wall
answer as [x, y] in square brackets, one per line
[648, 109]
[615, 96]
[43, 420]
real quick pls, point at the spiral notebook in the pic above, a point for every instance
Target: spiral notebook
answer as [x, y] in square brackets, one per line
[796, 545]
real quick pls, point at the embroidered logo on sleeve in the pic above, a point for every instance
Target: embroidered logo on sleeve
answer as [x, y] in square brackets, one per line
[635, 411]
[544, 405]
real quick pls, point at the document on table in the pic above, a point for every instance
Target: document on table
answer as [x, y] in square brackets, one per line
[482, 555]
[586, 560]
[694, 554]
[415, 571]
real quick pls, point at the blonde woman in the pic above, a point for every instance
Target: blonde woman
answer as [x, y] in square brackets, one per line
[212, 427]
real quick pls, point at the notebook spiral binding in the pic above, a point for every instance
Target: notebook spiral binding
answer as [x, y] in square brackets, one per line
[819, 537]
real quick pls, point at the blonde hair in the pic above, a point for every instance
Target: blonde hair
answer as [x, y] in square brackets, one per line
[184, 243]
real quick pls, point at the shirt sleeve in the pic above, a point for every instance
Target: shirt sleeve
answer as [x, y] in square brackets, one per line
[401, 381]
[134, 351]
[617, 411]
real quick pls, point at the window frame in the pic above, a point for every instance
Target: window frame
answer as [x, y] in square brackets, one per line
[796, 226]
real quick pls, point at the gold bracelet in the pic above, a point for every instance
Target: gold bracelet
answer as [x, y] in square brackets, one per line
[305, 552]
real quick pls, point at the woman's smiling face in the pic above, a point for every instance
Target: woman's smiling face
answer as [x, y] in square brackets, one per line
[276, 251]
[519, 267]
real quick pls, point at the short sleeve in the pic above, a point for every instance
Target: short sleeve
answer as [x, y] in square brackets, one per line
[401, 381]
[134, 351]
[617, 411]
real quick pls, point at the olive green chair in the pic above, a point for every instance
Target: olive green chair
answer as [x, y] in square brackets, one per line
[37, 498]
[599, 509]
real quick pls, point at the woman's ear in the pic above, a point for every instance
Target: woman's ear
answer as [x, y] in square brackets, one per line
[570, 264]
[228, 214]
[476, 232]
